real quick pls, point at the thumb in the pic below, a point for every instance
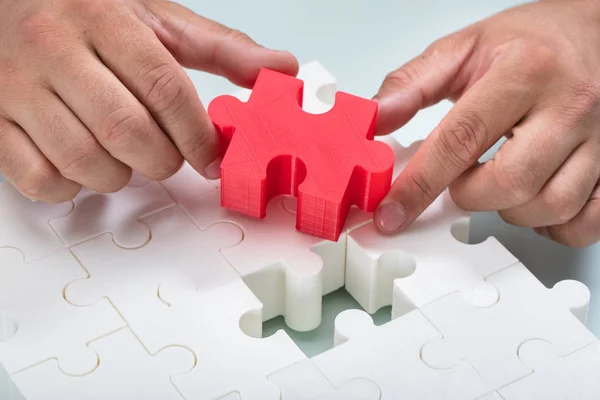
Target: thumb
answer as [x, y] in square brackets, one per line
[202, 44]
[424, 81]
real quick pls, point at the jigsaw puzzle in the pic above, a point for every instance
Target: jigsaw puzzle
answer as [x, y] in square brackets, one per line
[159, 292]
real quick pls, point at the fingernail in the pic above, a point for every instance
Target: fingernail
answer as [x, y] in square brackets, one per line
[213, 170]
[390, 217]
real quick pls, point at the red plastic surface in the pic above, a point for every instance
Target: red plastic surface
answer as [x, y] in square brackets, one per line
[328, 161]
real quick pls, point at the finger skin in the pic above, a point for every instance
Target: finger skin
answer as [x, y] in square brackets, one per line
[118, 121]
[536, 149]
[424, 81]
[564, 195]
[200, 43]
[472, 126]
[583, 230]
[150, 72]
[27, 169]
[67, 143]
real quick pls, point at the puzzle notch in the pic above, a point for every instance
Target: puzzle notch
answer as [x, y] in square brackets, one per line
[303, 381]
[131, 278]
[25, 224]
[389, 355]
[272, 147]
[230, 348]
[118, 213]
[574, 376]
[489, 337]
[39, 323]
[125, 371]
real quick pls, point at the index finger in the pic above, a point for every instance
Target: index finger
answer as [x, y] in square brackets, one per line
[489, 109]
[152, 72]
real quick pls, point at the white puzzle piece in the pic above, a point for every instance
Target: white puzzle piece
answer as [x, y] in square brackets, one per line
[279, 263]
[303, 381]
[130, 279]
[25, 224]
[389, 355]
[425, 262]
[572, 377]
[187, 183]
[318, 93]
[223, 327]
[489, 337]
[125, 372]
[118, 213]
[38, 323]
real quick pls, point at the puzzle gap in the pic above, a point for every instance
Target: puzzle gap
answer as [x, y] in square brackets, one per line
[326, 96]
[320, 340]
[8, 387]
[8, 327]
[288, 172]
[460, 231]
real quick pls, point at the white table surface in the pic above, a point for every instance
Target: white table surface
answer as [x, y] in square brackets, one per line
[360, 42]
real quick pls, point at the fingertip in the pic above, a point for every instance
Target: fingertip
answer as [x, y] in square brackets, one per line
[246, 71]
[213, 170]
[286, 63]
[394, 110]
[390, 217]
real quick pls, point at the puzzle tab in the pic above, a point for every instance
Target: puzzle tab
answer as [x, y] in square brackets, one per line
[329, 161]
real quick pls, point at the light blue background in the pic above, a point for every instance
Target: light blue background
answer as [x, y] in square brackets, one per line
[360, 42]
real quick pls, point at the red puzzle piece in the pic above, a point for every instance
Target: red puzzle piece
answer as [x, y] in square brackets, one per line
[328, 161]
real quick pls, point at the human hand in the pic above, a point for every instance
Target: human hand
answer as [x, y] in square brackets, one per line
[92, 89]
[532, 74]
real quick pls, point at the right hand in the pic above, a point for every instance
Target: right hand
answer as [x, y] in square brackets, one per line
[91, 89]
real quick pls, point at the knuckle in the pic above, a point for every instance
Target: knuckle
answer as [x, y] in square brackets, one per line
[461, 143]
[90, 8]
[198, 146]
[538, 60]
[516, 181]
[401, 77]
[234, 34]
[424, 186]
[40, 30]
[584, 99]
[96, 12]
[564, 202]
[124, 126]
[79, 159]
[164, 87]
